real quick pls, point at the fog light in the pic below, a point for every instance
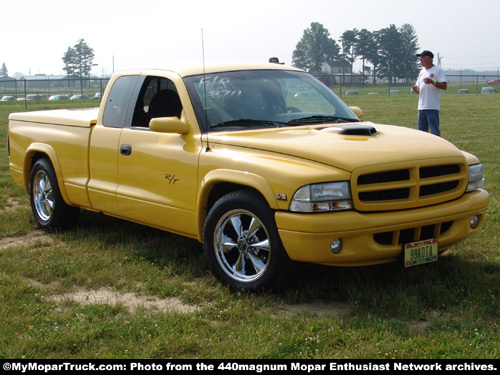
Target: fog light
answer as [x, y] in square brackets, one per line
[336, 246]
[474, 222]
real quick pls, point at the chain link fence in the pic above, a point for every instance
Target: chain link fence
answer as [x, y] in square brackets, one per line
[46, 88]
[353, 84]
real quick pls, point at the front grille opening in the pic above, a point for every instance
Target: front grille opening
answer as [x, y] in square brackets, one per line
[408, 235]
[384, 238]
[426, 232]
[437, 188]
[385, 195]
[388, 176]
[445, 227]
[439, 170]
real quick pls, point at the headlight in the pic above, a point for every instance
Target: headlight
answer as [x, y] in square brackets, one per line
[330, 196]
[476, 177]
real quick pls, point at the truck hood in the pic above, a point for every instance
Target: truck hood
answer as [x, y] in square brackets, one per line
[326, 144]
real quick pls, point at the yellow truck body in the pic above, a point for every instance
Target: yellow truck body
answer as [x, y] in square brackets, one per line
[261, 163]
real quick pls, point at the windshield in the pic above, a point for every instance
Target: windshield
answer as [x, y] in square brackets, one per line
[247, 99]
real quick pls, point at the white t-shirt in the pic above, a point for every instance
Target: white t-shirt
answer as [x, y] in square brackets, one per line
[430, 95]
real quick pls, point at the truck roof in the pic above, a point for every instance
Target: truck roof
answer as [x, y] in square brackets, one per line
[188, 69]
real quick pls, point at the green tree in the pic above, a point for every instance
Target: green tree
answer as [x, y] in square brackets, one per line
[409, 65]
[349, 40]
[391, 50]
[70, 64]
[315, 48]
[397, 48]
[367, 49]
[78, 60]
[3, 70]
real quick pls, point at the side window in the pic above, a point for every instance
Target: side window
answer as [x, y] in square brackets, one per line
[158, 98]
[117, 103]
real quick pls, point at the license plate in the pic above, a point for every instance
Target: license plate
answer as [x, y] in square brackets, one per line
[421, 252]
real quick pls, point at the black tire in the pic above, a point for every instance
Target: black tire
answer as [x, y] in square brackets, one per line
[242, 244]
[48, 206]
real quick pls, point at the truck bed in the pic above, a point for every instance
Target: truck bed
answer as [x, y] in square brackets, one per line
[63, 135]
[69, 117]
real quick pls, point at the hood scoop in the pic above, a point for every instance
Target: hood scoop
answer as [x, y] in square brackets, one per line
[352, 130]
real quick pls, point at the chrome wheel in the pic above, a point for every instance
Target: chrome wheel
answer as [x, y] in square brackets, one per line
[242, 246]
[43, 197]
[49, 208]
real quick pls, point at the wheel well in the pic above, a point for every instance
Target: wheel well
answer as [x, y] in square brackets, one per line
[222, 189]
[217, 191]
[30, 162]
[37, 156]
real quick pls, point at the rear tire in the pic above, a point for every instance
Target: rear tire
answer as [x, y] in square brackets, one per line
[48, 206]
[242, 244]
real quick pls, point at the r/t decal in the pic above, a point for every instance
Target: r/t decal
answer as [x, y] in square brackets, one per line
[171, 179]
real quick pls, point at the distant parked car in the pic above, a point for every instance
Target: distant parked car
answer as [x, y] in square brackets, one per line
[488, 90]
[59, 97]
[35, 97]
[97, 95]
[493, 81]
[8, 98]
[80, 97]
[463, 91]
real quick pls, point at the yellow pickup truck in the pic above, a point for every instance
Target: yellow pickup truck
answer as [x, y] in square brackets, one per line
[263, 164]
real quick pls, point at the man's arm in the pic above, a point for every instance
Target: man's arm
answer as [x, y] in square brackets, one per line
[439, 85]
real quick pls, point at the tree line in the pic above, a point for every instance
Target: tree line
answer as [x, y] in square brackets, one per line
[390, 51]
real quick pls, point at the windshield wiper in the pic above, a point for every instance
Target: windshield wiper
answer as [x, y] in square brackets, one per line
[246, 121]
[320, 119]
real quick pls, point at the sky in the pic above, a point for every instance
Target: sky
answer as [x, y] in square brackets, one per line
[124, 34]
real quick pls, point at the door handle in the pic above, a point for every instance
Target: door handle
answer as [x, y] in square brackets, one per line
[126, 150]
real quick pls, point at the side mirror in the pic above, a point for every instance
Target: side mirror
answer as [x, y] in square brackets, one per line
[357, 111]
[168, 125]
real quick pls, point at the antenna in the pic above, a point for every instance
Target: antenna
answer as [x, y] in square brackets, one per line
[204, 85]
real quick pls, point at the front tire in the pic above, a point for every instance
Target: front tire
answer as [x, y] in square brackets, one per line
[242, 244]
[48, 206]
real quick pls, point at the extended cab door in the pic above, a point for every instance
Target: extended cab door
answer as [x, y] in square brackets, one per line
[104, 144]
[157, 171]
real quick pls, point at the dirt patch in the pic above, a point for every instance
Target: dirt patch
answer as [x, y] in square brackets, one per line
[312, 308]
[419, 327]
[29, 239]
[11, 205]
[131, 301]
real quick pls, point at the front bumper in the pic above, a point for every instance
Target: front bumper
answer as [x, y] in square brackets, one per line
[375, 238]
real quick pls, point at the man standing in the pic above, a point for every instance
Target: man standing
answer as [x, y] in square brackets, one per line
[430, 82]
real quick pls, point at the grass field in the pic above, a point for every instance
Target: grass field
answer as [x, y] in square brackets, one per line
[113, 289]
